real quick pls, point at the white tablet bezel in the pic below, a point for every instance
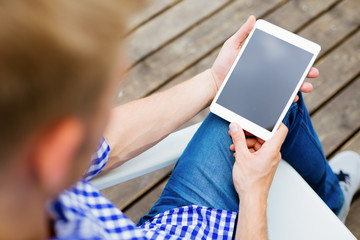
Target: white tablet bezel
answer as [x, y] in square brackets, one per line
[281, 34]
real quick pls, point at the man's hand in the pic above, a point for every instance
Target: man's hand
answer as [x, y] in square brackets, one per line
[229, 52]
[254, 169]
[256, 161]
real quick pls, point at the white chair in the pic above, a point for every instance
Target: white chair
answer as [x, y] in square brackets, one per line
[294, 210]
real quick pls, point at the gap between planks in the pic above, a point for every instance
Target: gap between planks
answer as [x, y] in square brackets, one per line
[150, 10]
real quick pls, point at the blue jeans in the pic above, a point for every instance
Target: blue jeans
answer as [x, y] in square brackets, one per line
[203, 174]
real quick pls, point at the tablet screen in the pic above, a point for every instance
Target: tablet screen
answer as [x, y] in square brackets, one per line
[264, 78]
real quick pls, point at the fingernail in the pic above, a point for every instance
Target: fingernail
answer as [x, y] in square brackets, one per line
[233, 128]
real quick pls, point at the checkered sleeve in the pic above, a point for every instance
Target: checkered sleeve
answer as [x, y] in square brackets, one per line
[99, 160]
[191, 222]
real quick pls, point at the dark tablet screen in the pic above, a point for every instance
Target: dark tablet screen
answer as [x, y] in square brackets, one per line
[264, 79]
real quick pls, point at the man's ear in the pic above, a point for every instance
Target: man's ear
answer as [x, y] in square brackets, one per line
[55, 152]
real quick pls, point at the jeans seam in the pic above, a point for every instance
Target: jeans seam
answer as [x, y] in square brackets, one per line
[303, 126]
[312, 140]
[296, 120]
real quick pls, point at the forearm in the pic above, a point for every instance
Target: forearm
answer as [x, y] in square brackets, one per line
[252, 222]
[136, 126]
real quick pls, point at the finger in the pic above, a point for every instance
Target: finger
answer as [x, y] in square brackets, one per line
[250, 142]
[237, 39]
[238, 137]
[279, 137]
[257, 146]
[253, 143]
[248, 134]
[232, 147]
[251, 150]
[260, 141]
[306, 87]
[313, 73]
[296, 98]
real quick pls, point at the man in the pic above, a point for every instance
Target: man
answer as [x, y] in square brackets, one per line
[60, 62]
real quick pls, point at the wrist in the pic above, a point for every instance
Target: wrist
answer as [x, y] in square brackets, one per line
[252, 220]
[253, 200]
[213, 88]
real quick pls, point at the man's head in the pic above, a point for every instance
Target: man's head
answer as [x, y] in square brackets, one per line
[58, 68]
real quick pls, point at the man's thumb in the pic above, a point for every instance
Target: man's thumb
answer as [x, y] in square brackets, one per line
[238, 137]
[279, 137]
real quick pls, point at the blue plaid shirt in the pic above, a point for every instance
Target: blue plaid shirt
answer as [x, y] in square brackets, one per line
[82, 212]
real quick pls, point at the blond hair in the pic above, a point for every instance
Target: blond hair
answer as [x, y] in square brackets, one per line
[54, 61]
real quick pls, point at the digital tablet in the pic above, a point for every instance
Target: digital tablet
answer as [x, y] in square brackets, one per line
[264, 79]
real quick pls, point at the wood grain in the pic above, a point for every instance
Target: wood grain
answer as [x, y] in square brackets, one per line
[339, 118]
[335, 70]
[168, 25]
[151, 9]
[353, 144]
[344, 17]
[330, 29]
[296, 13]
[345, 22]
[191, 47]
[152, 72]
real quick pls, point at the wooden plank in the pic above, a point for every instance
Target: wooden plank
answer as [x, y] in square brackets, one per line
[330, 29]
[327, 30]
[142, 207]
[353, 144]
[187, 49]
[339, 118]
[151, 9]
[345, 19]
[125, 193]
[197, 68]
[296, 13]
[335, 70]
[168, 25]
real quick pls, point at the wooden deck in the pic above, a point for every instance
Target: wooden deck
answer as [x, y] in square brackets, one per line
[172, 40]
